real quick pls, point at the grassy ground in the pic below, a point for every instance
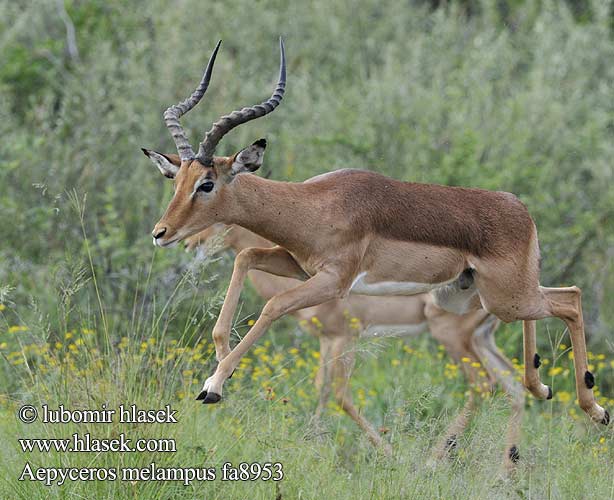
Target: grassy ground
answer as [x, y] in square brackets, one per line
[407, 388]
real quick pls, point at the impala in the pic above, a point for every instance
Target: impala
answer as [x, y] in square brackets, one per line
[469, 337]
[356, 231]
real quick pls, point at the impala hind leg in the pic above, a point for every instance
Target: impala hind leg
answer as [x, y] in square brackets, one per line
[515, 300]
[322, 287]
[454, 332]
[449, 441]
[566, 304]
[532, 362]
[501, 370]
[273, 260]
[343, 357]
[323, 380]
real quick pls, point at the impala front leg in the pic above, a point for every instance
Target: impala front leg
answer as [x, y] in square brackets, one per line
[273, 260]
[320, 288]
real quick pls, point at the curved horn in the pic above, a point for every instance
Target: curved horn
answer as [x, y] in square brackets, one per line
[226, 123]
[172, 114]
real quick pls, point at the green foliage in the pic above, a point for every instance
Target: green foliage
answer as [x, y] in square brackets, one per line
[501, 94]
[419, 94]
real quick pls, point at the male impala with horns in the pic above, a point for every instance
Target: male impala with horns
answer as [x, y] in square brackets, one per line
[356, 231]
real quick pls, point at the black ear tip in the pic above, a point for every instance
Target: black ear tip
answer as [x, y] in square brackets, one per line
[145, 152]
[261, 143]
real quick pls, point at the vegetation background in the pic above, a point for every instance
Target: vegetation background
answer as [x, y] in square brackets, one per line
[513, 95]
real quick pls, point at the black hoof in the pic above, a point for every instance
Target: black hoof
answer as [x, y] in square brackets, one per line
[606, 418]
[514, 454]
[589, 380]
[549, 393]
[451, 443]
[537, 362]
[211, 398]
[201, 396]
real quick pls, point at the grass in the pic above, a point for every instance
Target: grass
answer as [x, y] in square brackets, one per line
[407, 388]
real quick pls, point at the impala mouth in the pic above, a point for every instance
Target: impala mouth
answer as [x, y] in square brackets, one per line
[165, 244]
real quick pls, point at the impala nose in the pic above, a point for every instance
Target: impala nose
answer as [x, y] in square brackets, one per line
[158, 232]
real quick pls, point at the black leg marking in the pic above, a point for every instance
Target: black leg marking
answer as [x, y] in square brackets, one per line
[589, 380]
[233, 372]
[211, 398]
[606, 418]
[514, 454]
[451, 443]
[549, 393]
[202, 395]
[537, 361]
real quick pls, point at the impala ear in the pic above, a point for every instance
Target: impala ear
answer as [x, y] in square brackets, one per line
[167, 164]
[249, 159]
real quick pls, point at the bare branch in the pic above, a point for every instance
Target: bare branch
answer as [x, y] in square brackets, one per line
[71, 38]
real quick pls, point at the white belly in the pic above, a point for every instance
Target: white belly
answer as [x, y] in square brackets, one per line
[393, 287]
[376, 331]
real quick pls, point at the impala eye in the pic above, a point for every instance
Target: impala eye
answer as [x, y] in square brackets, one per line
[206, 187]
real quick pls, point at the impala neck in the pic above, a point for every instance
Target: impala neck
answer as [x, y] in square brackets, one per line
[239, 238]
[267, 208]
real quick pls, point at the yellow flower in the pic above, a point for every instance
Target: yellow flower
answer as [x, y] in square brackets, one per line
[554, 371]
[395, 362]
[316, 322]
[68, 335]
[562, 347]
[563, 396]
[2, 307]
[465, 359]
[250, 322]
[17, 329]
[475, 364]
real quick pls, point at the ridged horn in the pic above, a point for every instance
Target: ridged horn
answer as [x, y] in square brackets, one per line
[172, 114]
[227, 122]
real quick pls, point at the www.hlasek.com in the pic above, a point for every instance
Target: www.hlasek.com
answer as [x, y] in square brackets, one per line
[79, 443]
